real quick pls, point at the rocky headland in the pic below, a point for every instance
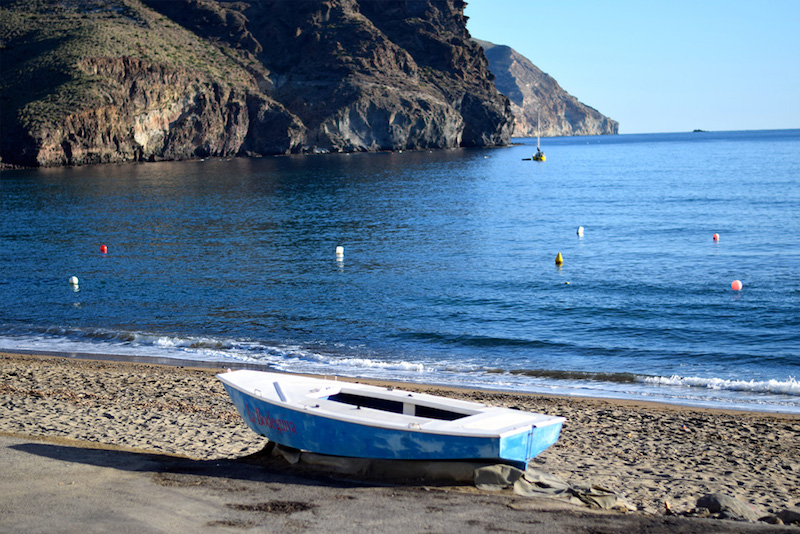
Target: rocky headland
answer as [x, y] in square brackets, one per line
[99, 81]
[536, 96]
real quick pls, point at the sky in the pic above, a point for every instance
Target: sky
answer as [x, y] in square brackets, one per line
[660, 65]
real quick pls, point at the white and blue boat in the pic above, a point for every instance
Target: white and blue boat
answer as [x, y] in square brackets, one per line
[356, 420]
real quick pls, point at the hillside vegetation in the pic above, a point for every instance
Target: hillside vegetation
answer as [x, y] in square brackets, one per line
[92, 81]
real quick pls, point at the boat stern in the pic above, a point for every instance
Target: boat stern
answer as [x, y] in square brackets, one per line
[522, 447]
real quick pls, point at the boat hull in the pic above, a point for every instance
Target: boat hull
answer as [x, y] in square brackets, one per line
[302, 428]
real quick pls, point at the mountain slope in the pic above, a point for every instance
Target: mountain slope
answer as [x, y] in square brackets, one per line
[531, 90]
[93, 81]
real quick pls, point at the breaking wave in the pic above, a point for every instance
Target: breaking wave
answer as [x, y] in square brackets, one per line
[780, 394]
[791, 386]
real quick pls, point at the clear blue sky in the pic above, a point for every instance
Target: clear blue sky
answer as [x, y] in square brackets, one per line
[661, 65]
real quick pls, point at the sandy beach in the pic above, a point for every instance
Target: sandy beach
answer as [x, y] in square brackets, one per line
[659, 458]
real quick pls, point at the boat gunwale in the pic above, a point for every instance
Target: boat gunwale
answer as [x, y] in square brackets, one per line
[412, 423]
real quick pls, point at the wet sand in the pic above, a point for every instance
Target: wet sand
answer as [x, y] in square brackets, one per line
[649, 454]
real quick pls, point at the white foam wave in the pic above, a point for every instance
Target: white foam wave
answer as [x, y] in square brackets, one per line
[772, 395]
[287, 357]
[389, 366]
[791, 386]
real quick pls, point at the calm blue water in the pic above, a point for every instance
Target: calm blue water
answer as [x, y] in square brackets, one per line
[448, 274]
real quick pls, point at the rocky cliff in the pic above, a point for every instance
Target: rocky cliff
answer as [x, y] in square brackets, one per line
[531, 91]
[92, 81]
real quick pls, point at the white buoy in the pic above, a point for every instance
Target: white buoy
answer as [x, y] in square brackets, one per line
[580, 230]
[340, 250]
[73, 280]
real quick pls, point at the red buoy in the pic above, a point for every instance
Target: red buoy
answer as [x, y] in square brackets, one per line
[716, 237]
[103, 249]
[736, 285]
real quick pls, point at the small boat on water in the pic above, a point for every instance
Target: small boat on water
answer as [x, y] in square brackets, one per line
[539, 156]
[357, 420]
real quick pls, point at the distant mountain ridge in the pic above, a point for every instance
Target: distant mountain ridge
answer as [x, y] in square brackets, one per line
[530, 91]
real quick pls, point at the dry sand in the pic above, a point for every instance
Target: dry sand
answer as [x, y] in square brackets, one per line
[648, 453]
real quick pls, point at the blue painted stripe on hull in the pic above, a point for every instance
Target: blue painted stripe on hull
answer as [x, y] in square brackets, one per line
[306, 430]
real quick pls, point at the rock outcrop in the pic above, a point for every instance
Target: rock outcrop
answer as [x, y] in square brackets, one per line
[159, 113]
[531, 91]
[94, 81]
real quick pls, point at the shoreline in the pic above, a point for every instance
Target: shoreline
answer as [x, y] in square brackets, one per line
[221, 366]
[648, 453]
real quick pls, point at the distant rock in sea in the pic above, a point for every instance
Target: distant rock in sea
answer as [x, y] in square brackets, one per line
[98, 81]
[531, 90]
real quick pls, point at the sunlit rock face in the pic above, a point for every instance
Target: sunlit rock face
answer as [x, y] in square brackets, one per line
[114, 81]
[536, 98]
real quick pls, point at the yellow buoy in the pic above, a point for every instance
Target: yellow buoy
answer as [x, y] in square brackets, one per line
[559, 259]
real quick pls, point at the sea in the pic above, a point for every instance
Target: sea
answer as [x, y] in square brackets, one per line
[446, 273]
